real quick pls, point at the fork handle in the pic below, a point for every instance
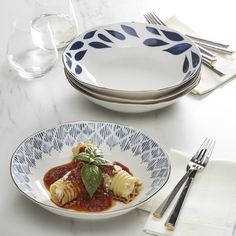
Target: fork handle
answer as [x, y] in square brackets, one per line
[212, 67]
[221, 50]
[171, 220]
[158, 213]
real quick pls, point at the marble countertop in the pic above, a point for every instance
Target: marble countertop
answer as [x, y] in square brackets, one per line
[26, 107]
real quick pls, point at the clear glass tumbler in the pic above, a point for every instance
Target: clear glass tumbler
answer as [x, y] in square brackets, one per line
[60, 15]
[24, 55]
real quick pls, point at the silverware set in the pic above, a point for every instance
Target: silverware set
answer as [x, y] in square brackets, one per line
[209, 59]
[197, 163]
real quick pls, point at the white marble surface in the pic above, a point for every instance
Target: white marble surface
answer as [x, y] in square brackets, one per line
[26, 107]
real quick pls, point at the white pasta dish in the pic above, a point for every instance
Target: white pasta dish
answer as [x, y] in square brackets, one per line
[91, 183]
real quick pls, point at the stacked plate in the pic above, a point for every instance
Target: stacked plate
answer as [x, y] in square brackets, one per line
[132, 67]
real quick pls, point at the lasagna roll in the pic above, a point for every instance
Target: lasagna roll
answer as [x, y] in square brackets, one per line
[63, 191]
[124, 187]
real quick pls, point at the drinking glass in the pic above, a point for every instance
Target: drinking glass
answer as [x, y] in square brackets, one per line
[29, 60]
[60, 15]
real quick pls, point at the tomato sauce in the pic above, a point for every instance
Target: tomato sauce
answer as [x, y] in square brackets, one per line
[58, 172]
[123, 167]
[100, 201]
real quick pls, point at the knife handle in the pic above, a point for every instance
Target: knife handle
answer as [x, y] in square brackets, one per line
[171, 220]
[158, 213]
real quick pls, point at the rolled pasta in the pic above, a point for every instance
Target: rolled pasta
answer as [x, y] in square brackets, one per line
[124, 186]
[63, 191]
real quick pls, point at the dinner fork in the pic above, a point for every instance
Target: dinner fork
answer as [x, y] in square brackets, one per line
[171, 220]
[196, 163]
[215, 46]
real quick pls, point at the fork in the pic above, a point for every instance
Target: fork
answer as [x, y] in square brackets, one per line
[215, 46]
[208, 59]
[197, 162]
[202, 161]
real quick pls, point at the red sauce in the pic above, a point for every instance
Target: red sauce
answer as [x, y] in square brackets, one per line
[107, 169]
[82, 149]
[123, 167]
[100, 200]
[58, 172]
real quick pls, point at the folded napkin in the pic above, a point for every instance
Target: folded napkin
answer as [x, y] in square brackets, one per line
[210, 206]
[209, 79]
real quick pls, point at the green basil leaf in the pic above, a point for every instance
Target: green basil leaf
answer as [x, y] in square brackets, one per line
[92, 155]
[100, 161]
[91, 176]
[84, 157]
[94, 152]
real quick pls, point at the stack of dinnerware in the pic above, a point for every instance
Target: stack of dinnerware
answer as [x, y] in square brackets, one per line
[132, 67]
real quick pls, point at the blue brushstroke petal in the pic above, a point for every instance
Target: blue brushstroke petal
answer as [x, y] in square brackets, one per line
[68, 62]
[90, 34]
[129, 30]
[172, 35]
[152, 30]
[78, 69]
[178, 48]
[80, 55]
[104, 38]
[185, 65]
[116, 34]
[195, 59]
[152, 42]
[68, 54]
[98, 45]
[77, 45]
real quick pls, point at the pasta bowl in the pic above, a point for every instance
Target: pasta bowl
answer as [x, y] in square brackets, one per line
[132, 60]
[52, 147]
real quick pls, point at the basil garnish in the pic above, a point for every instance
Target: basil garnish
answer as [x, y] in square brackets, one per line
[91, 177]
[91, 174]
[92, 155]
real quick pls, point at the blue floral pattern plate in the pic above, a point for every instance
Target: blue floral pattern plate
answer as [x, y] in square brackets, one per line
[52, 147]
[132, 57]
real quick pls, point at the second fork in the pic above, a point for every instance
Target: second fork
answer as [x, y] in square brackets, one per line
[196, 163]
[171, 220]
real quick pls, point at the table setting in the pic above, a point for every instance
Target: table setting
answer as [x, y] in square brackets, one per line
[117, 118]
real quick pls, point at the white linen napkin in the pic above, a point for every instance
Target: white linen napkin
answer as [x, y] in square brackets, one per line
[210, 206]
[209, 80]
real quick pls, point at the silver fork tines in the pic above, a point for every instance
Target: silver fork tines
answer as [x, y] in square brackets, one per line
[205, 152]
[152, 18]
[196, 163]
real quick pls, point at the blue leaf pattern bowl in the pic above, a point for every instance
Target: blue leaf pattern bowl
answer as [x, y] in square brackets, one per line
[52, 147]
[132, 58]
